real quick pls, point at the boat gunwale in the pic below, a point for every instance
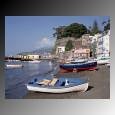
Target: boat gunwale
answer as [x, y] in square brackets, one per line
[71, 84]
[54, 87]
[84, 63]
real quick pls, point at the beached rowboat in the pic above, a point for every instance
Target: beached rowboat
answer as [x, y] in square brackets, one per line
[58, 85]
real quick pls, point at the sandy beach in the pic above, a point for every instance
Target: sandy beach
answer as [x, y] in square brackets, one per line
[99, 86]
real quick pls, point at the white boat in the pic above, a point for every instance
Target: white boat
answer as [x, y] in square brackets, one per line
[35, 61]
[14, 66]
[79, 60]
[58, 85]
[103, 60]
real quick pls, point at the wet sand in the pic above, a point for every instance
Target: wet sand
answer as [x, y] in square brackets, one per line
[99, 86]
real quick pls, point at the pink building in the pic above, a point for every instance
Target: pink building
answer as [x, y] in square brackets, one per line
[81, 52]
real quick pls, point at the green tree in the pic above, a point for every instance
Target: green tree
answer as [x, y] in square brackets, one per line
[73, 30]
[69, 45]
[59, 32]
[95, 28]
[106, 25]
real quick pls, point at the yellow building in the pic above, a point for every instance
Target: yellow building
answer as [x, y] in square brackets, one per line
[33, 57]
[30, 56]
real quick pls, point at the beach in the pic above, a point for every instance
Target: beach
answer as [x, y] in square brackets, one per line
[99, 86]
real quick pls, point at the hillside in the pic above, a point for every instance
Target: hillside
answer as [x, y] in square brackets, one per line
[38, 51]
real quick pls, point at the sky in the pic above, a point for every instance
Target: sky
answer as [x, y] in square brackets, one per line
[28, 33]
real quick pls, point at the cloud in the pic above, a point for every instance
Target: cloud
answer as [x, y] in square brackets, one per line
[45, 42]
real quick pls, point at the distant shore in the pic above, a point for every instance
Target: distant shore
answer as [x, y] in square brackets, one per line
[99, 86]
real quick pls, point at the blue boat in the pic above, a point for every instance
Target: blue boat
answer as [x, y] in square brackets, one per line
[74, 67]
[58, 85]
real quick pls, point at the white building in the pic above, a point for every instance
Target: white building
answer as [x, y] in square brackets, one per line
[103, 45]
[94, 43]
[94, 38]
[60, 49]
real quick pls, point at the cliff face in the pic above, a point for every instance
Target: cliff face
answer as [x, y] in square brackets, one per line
[77, 42]
[63, 41]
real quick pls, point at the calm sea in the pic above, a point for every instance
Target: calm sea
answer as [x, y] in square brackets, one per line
[15, 79]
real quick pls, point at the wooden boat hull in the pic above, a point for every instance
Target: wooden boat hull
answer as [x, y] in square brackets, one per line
[61, 86]
[82, 88]
[76, 70]
[78, 67]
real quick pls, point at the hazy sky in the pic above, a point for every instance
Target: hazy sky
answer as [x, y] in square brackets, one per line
[27, 33]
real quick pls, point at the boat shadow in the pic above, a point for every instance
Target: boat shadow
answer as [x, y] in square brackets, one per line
[42, 95]
[89, 88]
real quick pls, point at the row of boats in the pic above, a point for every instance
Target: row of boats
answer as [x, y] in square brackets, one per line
[84, 64]
[63, 84]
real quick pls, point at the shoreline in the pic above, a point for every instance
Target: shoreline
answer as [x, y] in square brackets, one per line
[99, 86]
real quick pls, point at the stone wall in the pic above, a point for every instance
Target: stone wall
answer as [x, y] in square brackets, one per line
[63, 41]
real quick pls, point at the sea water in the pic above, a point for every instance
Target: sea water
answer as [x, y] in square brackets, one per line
[16, 78]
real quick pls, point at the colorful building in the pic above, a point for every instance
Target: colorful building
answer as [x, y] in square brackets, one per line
[103, 45]
[29, 56]
[81, 52]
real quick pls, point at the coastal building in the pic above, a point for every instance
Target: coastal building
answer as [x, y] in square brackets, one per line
[81, 52]
[94, 38]
[20, 56]
[60, 49]
[46, 56]
[103, 45]
[83, 42]
[33, 56]
[93, 44]
[86, 40]
[29, 56]
[82, 47]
